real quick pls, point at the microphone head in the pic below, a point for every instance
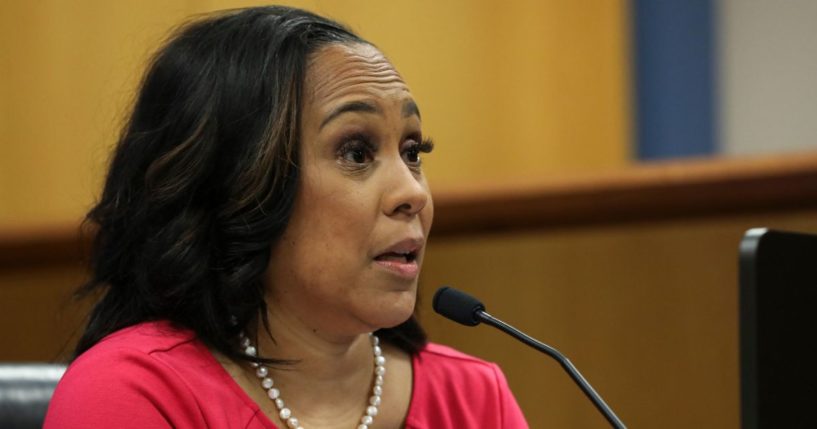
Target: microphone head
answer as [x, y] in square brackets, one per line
[457, 306]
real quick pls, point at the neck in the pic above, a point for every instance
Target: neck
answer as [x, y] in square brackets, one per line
[321, 354]
[330, 379]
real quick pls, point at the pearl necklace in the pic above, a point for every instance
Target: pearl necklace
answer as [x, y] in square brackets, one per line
[262, 372]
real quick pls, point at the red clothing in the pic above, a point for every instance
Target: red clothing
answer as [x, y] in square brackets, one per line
[152, 376]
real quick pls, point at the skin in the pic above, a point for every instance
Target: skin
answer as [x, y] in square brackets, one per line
[348, 212]
[362, 191]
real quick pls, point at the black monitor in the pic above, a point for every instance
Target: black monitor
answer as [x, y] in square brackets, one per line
[778, 329]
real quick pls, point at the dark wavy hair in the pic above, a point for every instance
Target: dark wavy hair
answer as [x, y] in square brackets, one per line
[203, 179]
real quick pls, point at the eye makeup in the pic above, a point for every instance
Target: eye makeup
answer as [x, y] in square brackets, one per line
[357, 151]
[411, 153]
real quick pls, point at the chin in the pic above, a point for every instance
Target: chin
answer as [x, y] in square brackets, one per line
[395, 312]
[395, 321]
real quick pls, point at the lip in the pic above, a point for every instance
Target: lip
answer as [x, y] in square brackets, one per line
[408, 269]
[411, 244]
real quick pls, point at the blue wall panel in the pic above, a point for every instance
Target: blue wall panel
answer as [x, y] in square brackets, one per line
[675, 78]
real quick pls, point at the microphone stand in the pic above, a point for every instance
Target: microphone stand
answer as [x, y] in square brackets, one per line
[608, 413]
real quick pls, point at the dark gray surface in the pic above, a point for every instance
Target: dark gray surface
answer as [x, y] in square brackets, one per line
[25, 390]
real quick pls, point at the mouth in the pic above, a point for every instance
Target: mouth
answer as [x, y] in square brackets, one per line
[397, 257]
[401, 258]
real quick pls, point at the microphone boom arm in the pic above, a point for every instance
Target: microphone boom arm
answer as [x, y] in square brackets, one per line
[588, 390]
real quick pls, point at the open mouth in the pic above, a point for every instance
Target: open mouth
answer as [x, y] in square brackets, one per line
[401, 258]
[404, 258]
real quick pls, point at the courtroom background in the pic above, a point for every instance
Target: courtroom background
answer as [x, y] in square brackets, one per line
[596, 163]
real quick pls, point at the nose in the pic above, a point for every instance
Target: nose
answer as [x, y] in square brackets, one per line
[407, 193]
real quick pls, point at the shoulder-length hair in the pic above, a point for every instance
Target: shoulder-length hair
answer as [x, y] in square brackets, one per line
[203, 179]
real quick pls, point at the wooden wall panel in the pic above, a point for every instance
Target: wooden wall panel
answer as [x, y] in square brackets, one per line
[632, 275]
[647, 312]
[38, 317]
[523, 89]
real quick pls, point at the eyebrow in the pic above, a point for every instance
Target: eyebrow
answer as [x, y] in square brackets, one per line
[409, 109]
[352, 106]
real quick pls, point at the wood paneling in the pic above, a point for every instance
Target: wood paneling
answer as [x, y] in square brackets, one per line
[38, 317]
[631, 274]
[650, 192]
[507, 89]
[647, 311]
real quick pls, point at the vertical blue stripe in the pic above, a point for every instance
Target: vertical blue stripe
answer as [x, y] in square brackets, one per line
[675, 73]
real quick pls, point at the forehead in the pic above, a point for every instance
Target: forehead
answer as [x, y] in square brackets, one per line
[338, 72]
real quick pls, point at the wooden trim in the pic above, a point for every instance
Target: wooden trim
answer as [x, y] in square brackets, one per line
[649, 192]
[49, 245]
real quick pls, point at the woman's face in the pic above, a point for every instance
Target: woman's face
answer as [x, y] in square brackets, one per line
[349, 260]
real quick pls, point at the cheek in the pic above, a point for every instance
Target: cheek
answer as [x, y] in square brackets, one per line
[332, 230]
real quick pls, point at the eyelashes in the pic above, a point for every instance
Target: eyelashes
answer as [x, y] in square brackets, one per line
[356, 149]
[358, 152]
[412, 154]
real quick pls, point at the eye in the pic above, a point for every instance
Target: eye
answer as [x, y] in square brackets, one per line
[411, 154]
[356, 155]
[356, 150]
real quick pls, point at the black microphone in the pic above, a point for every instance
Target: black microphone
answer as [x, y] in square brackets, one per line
[467, 310]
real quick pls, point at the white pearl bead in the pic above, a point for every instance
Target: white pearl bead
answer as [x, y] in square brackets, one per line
[285, 413]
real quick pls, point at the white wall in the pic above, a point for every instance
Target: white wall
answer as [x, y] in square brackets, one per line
[768, 76]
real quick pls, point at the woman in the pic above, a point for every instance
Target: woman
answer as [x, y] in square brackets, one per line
[265, 211]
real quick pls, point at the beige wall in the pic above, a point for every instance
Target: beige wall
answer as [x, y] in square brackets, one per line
[508, 90]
